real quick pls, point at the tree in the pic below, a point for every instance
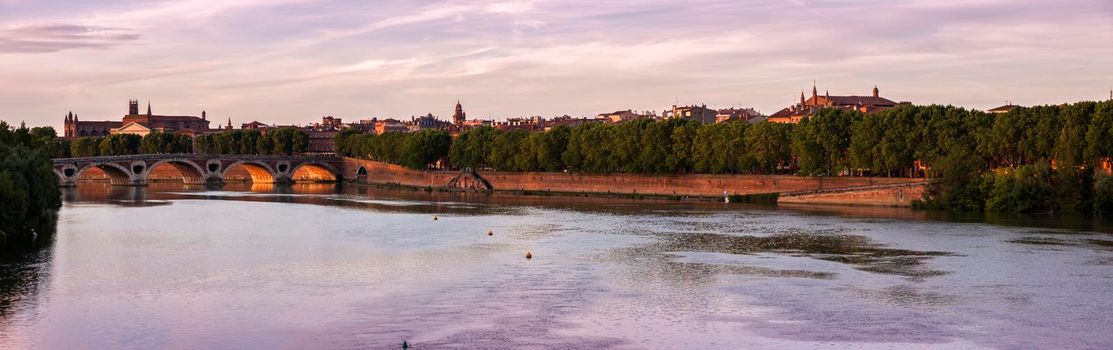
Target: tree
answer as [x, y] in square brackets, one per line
[85, 147]
[1099, 133]
[1070, 143]
[768, 145]
[159, 143]
[551, 146]
[425, 147]
[120, 144]
[504, 150]
[285, 141]
[679, 159]
[347, 142]
[821, 141]
[28, 186]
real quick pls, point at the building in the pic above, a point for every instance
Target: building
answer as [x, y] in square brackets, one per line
[255, 125]
[745, 114]
[569, 121]
[428, 121]
[535, 123]
[136, 123]
[700, 114]
[145, 123]
[390, 125]
[1008, 107]
[72, 128]
[459, 117]
[623, 116]
[807, 107]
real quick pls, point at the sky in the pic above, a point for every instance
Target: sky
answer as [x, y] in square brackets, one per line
[294, 61]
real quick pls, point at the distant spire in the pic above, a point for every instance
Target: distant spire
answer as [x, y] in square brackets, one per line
[202, 115]
[815, 93]
[148, 108]
[229, 123]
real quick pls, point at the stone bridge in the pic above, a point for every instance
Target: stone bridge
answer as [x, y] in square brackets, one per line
[133, 170]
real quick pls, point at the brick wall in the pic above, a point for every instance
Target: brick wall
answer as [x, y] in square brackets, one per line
[887, 197]
[681, 185]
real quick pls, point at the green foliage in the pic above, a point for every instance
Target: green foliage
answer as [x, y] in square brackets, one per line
[769, 146]
[1024, 190]
[158, 142]
[285, 141]
[1038, 188]
[119, 144]
[425, 147]
[820, 142]
[1099, 134]
[415, 150]
[1103, 196]
[29, 188]
[85, 147]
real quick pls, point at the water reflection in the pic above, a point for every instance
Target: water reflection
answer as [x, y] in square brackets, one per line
[24, 266]
[324, 266]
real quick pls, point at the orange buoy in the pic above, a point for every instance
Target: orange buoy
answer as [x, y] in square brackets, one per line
[529, 254]
[490, 232]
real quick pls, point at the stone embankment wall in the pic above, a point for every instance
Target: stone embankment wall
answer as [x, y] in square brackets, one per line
[886, 196]
[864, 190]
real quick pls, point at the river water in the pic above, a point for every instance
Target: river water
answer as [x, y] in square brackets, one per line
[312, 267]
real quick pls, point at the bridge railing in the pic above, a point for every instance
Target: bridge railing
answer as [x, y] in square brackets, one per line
[161, 156]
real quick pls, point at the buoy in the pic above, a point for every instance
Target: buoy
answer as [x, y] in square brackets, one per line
[490, 232]
[529, 255]
[434, 218]
[405, 345]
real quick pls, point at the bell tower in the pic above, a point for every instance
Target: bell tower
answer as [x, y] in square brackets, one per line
[133, 107]
[459, 116]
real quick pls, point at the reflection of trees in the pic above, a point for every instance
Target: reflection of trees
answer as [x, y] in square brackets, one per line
[23, 269]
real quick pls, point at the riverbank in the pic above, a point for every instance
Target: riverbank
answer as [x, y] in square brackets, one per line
[868, 191]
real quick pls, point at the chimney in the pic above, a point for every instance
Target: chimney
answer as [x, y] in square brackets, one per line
[876, 93]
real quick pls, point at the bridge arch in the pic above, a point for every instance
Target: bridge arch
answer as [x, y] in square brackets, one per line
[192, 174]
[260, 173]
[118, 175]
[361, 174]
[314, 172]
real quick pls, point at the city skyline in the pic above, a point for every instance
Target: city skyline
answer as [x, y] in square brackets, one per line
[292, 61]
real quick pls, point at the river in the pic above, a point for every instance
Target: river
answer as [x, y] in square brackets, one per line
[312, 267]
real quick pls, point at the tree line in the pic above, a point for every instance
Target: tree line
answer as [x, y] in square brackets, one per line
[419, 150]
[285, 141]
[280, 141]
[29, 189]
[1038, 159]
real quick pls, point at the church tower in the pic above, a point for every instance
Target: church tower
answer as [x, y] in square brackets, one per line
[459, 116]
[133, 107]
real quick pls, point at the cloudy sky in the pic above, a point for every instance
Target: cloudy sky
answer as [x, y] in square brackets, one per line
[292, 61]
